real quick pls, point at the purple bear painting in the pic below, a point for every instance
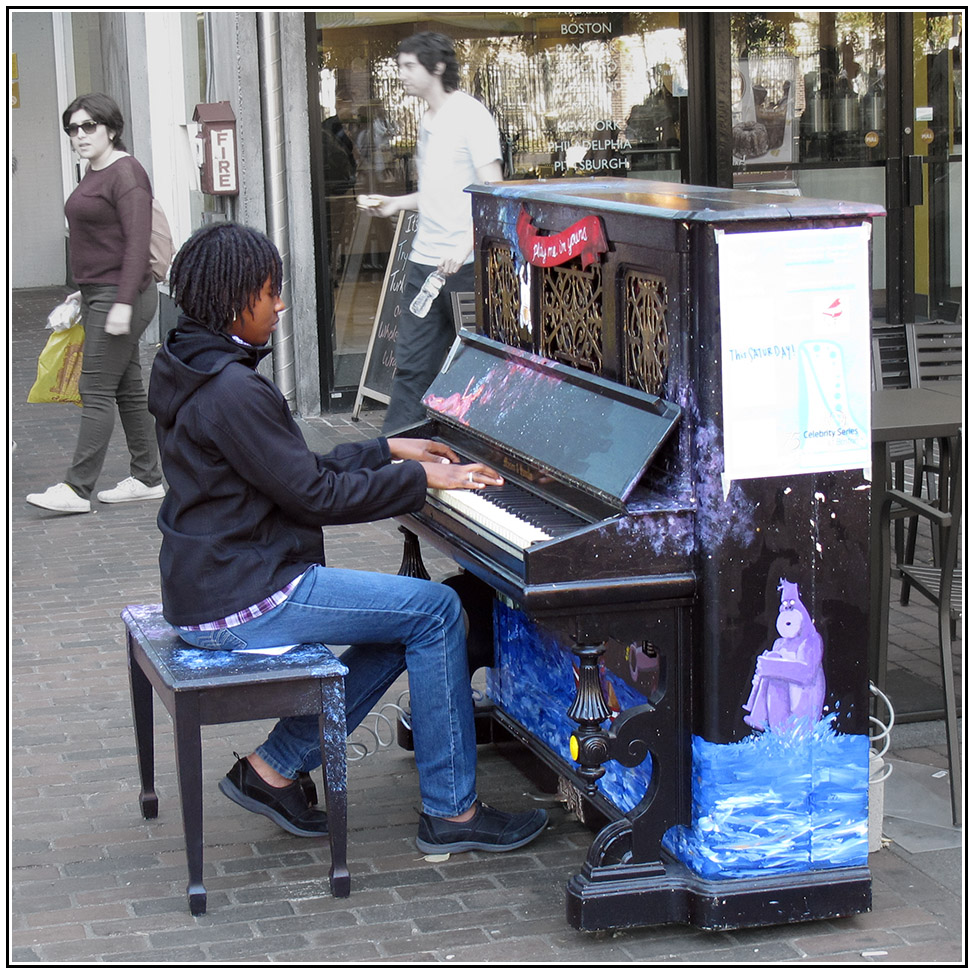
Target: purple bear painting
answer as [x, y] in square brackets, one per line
[788, 687]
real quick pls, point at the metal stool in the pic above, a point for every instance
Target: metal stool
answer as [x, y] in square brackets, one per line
[211, 687]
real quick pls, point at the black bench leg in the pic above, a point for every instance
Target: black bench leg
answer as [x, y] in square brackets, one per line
[141, 690]
[189, 772]
[331, 726]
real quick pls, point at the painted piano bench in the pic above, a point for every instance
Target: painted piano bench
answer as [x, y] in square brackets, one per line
[200, 687]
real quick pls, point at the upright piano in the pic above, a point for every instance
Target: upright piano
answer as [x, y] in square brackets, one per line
[672, 381]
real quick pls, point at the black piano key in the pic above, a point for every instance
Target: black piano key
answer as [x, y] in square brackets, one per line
[530, 507]
[533, 509]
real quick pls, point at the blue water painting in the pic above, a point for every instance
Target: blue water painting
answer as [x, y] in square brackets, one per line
[780, 802]
[532, 681]
[786, 800]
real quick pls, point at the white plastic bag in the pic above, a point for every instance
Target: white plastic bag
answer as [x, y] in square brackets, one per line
[65, 315]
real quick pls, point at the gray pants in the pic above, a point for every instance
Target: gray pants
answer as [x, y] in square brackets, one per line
[111, 375]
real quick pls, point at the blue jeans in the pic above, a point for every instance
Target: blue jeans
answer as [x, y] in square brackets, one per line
[390, 623]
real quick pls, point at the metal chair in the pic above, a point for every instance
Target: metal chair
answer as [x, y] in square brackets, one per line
[943, 586]
[464, 310]
[891, 370]
[891, 361]
[935, 352]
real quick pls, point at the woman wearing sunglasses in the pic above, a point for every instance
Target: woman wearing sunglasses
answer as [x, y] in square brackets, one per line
[109, 224]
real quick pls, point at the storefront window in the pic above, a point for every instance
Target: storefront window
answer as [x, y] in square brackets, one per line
[595, 94]
[808, 87]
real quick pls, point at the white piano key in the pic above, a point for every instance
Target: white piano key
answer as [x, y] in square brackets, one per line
[482, 511]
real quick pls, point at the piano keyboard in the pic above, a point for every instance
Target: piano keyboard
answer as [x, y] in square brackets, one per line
[509, 512]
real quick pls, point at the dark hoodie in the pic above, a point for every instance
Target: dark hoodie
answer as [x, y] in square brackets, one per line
[247, 499]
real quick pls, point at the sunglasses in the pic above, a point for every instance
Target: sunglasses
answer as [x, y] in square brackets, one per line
[87, 127]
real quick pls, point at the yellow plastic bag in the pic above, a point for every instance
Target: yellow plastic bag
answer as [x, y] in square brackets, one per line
[59, 368]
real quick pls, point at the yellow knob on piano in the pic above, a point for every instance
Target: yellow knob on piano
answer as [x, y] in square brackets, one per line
[573, 747]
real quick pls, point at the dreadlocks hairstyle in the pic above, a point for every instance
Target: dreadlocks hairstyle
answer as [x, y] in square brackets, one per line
[432, 49]
[102, 109]
[220, 271]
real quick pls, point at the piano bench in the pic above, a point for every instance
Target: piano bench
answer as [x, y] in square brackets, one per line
[199, 686]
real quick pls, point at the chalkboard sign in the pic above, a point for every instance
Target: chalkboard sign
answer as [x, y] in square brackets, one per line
[380, 359]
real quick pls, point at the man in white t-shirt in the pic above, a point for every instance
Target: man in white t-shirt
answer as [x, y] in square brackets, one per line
[458, 145]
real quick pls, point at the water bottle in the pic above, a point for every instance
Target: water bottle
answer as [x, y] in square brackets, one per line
[421, 304]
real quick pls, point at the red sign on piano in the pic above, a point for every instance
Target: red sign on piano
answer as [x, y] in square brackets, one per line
[585, 239]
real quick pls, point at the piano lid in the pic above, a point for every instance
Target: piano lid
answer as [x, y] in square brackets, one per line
[596, 435]
[674, 201]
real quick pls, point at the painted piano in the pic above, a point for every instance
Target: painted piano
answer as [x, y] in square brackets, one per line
[671, 591]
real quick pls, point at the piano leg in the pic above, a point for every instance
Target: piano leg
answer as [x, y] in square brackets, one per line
[623, 881]
[412, 557]
[589, 744]
[477, 601]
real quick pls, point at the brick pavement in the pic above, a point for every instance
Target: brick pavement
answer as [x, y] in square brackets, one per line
[91, 882]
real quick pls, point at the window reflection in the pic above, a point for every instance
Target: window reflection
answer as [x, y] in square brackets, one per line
[595, 94]
[809, 87]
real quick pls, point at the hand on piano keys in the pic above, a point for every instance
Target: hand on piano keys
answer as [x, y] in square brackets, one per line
[442, 466]
[425, 451]
[461, 476]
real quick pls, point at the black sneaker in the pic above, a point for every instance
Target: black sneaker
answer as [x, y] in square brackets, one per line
[489, 831]
[287, 807]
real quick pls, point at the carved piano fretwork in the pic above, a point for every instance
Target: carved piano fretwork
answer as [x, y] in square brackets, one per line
[573, 321]
[647, 342]
[572, 315]
[504, 322]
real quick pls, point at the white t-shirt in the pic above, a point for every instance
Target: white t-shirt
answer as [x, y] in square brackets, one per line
[453, 144]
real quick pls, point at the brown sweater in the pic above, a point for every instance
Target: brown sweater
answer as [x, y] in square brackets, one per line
[110, 221]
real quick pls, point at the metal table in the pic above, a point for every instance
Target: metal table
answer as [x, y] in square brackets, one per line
[931, 411]
[948, 387]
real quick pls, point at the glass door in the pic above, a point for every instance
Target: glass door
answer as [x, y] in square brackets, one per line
[937, 141]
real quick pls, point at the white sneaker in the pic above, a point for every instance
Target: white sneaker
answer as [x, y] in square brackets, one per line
[131, 489]
[61, 498]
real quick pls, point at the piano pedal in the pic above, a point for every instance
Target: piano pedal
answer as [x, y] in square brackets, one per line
[483, 723]
[404, 734]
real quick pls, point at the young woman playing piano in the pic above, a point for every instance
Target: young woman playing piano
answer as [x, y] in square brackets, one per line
[242, 557]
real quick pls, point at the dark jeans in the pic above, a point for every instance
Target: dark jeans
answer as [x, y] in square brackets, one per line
[111, 376]
[421, 345]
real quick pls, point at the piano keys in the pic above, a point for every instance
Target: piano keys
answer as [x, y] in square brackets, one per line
[634, 588]
[507, 513]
